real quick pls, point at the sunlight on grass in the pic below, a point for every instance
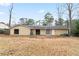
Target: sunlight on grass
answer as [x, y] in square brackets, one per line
[39, 46]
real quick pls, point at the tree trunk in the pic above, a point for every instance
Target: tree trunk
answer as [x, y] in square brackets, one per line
[10, 16]
[70, 18]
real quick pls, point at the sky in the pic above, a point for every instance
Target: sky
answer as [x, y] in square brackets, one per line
[34, 11]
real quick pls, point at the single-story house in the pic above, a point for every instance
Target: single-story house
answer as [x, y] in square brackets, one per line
[38, 30]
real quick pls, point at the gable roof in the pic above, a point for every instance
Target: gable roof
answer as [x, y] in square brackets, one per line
[41, 27]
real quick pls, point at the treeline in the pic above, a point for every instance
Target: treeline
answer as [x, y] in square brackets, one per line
[47, 21]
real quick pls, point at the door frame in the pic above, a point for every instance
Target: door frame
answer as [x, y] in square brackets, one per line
[37, 31]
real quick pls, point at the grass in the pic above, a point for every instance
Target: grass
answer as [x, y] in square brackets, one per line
[38, 46]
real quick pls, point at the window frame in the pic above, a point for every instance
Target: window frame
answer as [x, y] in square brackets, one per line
[16, 31]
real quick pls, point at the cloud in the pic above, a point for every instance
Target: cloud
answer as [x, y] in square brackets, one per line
[41, 11]
[1, 13]
[5, 4]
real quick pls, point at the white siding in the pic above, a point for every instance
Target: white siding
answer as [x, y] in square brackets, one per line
[22, 30]
[53, 32]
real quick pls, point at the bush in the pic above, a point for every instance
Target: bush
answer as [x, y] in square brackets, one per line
[76, 31]
[1, 31]
[75, 34]
[4, 31]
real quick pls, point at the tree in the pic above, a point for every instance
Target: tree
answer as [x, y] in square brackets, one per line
[30, 22]
[56, 22]
[59, 22]
[66, 23]
[76, 28]
[71, 8]
[48, 19]
[10, 14]
[23, 20]
[60, 12]
[27, 21]
[44, 23]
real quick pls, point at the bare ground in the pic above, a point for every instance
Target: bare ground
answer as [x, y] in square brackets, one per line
[39, 46]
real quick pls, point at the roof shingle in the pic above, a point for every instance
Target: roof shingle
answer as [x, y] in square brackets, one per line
[42, 27]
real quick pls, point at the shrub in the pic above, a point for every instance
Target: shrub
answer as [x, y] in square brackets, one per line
[4, 31]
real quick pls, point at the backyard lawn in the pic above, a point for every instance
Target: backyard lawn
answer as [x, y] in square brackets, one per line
[38, 46]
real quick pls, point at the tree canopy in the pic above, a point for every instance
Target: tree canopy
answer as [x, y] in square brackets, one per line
[48, 19]
[30, 22]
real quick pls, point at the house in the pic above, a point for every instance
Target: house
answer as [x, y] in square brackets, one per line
[4, 28]
[38, 30]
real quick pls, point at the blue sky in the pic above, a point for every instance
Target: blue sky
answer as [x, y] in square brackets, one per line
[35, 11]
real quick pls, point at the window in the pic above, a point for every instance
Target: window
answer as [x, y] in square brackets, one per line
[37, 31]
[48, 31]
[16, 31]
